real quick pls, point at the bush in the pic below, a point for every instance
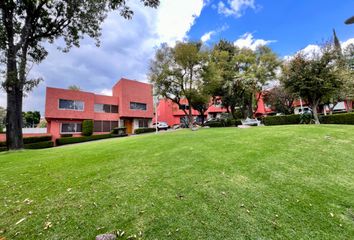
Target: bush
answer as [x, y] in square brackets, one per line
[29, 140]
[119, 131]
[66, 135]
[282, 120]
[229, 122]
[70, 140]
[144, 130]
[87, 127]
[340, 118]
[39, 145]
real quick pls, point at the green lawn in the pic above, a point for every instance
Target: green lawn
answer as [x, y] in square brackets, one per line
[292, 182]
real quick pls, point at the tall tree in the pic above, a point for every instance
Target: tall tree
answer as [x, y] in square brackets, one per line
[314, 77]
[176, 73]
[244, 72]
[24, 28]
[31, 119]
[280, 100]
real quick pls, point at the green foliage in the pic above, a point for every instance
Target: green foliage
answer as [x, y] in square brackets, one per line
[39, 145]
[36, 139]
[340, 118]
[63, 135]
[70, 140]
[243, 73]
[284, 182]
[120, 131]
[32, 143]
[313, 77]
[2, 119]
[223, 123]
[306, 118]
[31, 119]
[144, 130]
[180, 72]
[282, 120]
[26, 29]
[74, 88]
[87, 127]
[280, 100]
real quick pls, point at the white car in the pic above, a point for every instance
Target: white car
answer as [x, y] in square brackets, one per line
[161, 125]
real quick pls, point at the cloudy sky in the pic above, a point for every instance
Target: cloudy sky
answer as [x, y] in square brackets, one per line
[128, 45]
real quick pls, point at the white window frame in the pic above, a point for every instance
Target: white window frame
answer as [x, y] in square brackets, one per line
[83, 105]
[138, 109]
[61, 127]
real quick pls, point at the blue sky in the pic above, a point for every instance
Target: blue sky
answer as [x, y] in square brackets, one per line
[293, 24]
[127, 47]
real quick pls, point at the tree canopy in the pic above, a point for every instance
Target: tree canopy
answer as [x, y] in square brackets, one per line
[25, 27]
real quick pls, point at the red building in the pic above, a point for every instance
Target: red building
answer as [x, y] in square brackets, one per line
[131, 106]
[172, 114]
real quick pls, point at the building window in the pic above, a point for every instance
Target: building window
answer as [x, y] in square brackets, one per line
[71, 128]
[137, 106]
[183, 107]
[104, 126]
[71, 105]
[143, 123]
[106, 108]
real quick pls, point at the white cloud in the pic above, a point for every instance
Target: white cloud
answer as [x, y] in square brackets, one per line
[315, 49]
[247, 41]
[347, 43]
[106, 91]
[235, 8]
[126, 49]
[206, 37]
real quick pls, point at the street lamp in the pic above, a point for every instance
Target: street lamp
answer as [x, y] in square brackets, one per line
[350, 20]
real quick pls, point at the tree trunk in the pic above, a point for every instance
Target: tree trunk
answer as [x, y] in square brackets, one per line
[315, 113]
[14, 119]
[190, 117]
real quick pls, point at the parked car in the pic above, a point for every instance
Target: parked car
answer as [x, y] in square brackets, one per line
[161, 125]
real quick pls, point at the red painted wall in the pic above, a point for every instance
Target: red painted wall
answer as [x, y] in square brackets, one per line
[124, 92]
[134, 91]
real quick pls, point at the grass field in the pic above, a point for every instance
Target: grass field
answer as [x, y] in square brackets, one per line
[292, 182]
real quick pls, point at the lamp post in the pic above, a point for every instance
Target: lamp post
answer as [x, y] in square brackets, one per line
[156, 102]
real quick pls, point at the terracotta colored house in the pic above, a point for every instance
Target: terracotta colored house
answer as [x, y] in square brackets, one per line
[172, 114]
[131, 106]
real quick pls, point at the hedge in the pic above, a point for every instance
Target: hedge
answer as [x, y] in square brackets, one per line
[282, 120]
[340, 118]
[36, 145]
[119, 131]
[70, 140]
[87, 127]
[39, 145]
[28, 140]
[223, 123]
[66, 135]
[144, 130]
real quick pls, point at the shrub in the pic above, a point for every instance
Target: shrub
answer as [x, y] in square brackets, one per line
[87, 127]
[119, 131]
[70, 140]
[229, 122]
[144, 130]
[39, 145]
[37, 139]
[66, 135]
[282, 120]
[340, 118]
